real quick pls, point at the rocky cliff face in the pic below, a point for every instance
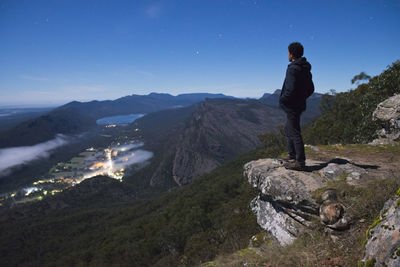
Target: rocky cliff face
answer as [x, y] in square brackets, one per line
[383, 246]
[286, 206]
[219, 131]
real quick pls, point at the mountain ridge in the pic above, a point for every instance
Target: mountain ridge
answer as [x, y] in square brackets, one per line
[76, 117]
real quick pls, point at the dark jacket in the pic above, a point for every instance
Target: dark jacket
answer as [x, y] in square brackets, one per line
[297, 87]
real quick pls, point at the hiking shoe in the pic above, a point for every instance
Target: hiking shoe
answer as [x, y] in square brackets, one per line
[288, 158]
[295, 166]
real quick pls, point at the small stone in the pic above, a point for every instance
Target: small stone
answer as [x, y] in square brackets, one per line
[362, 220]
[331, 213]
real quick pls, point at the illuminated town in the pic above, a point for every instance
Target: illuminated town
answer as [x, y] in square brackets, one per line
[110, 161]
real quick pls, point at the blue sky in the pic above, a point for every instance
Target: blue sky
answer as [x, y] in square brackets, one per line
[52, 52]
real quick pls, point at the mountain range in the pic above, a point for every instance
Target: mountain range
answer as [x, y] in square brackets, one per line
[211, 133]
[77, 117]
[191, 141]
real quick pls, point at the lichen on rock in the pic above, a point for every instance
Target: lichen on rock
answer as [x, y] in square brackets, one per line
[383, 237]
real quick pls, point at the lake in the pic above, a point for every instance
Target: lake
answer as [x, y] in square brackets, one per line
[120, 119]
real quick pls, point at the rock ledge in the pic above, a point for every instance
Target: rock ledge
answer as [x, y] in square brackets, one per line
[285, 205]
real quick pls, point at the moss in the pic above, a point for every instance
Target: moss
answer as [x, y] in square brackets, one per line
[370, 262]
[343, 177]
[369, 231]
[360, 264]
[398, 192]
[388, 227]
[246, 252]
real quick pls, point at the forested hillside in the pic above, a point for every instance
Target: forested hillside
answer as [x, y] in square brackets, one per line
[348, 118]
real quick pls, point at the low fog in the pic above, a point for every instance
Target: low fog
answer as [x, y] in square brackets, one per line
[127, 147]
[137, 156]
[129, 157]
[14, 156]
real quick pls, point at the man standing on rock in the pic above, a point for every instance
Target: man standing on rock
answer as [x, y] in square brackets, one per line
[297, 87]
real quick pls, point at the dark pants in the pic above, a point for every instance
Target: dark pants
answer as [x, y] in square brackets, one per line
[295, 143]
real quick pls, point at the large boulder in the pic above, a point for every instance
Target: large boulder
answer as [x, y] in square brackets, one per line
[388, 113]
[285, 206]
[383, 245]
[282, 185]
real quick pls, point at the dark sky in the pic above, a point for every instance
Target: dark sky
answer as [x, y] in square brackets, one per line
[55, 51]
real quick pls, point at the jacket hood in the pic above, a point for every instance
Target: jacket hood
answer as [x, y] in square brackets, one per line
[302, 63]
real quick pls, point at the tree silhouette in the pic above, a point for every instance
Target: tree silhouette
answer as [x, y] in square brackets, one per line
[360, 77]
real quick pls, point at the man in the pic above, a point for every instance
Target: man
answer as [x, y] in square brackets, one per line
[297, 87]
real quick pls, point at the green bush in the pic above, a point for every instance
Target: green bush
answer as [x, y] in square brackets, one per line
[348, 118]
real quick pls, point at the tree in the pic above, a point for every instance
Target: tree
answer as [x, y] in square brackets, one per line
[360, 77]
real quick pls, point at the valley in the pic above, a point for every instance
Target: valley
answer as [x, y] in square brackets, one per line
[150, 153]
[120, 153]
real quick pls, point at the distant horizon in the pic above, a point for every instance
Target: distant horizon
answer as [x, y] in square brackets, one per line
[47, 105]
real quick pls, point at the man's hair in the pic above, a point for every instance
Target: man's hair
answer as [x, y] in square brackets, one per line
[296, 49]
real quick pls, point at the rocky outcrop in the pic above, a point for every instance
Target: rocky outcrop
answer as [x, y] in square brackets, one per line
[285, 206]
[388, 114]
[206, 140]
[383, 245]
[344, 169]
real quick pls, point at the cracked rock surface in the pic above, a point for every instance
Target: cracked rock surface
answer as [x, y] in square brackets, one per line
[383, 245]
[285, 207]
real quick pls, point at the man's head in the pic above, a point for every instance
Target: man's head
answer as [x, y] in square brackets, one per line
[295, 51]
